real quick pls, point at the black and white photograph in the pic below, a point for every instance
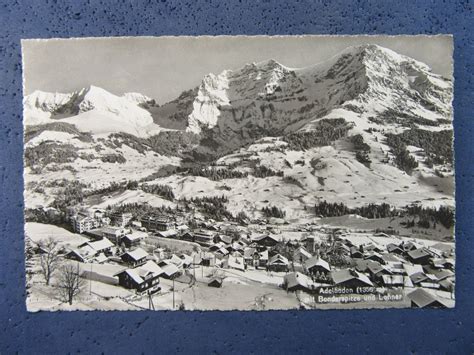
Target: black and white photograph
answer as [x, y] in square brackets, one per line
[238, 173]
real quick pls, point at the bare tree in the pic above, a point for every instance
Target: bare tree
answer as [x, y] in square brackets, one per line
[70, 282]
[49, 257]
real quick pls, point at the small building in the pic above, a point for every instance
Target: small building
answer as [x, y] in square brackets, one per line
[234, 262]
[170, 233]
[419, 256]
[215, 282]
[316, 265]
[114, 234]
[170, 270]
[356, 253]
[226, 239]
[142, 278]
[265, 240]
[135, 257]
[301, 255]
[395, 249]
[297, 281]
[133, 239]
[350, 278]
[423, 299]
[278, 263]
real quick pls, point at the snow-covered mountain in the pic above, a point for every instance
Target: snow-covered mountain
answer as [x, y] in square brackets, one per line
[268, 98]
[91, 109]
[366, 126]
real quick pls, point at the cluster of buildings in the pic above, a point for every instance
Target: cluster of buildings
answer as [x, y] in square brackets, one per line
[391, 266]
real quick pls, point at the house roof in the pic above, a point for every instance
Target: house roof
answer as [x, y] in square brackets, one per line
[317, 261]
[303, 252]
[135, 236]
[139, 274]
[137, 254]
[298, 279]
[347, 275]
[235, 262]
[444, 247]
[264, 236]
[412, 269]
[278, 259]
[170, 269]
[168, 233]
[443, 274]
[98, 245]
[423, 298]
[418, 253]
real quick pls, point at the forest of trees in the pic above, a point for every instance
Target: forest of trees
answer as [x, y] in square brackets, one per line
[261, 171]
[212, 206]
[437, 145]
[49, 152]
[403, 159]
[372, 210]
[164, 191]
[216, 174]
[273, 211]
[427, 216]
[324, 133]
[362, 149]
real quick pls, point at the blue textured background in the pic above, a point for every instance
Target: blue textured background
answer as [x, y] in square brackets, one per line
[399, 331]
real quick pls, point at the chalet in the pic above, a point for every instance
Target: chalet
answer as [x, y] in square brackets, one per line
[444, 249]
[395, 249]
[170, 271]
[114, 234]
[142, 278]
[278, 263]
[297, 281]
[223, 239]
[374, 256]
[87, 251]
[419, 256]
[356, 253]
[135, 257]
[265, 240]
[408, 246]
[316, 265]
[176, 260]
[423, 299]
[447, 285]
[215, 282]
[232, 262]
[80, 255]
[418, 278]
[133, 239]
[350, 278]
[301, 255]
[121, 219]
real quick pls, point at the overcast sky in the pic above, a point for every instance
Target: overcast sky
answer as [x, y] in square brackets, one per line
[163, 67]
